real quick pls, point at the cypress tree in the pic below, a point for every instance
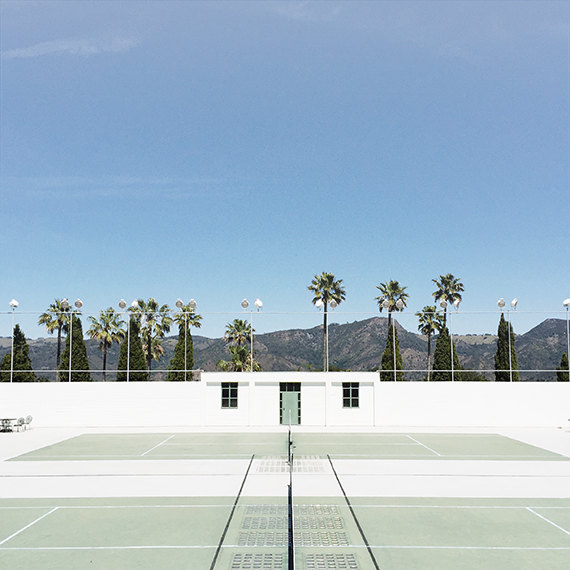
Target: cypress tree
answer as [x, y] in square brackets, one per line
[387, 372]
[502, 364]
[79, 360]
[442, 359]
[178, 364]
[562, 371]
[135, 357]
[22, 365]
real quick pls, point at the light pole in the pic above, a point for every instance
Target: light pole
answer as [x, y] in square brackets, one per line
[501, 304]
[13, 304]
[566, 303]
[320, 304]
[65, 304]
[134, 305]
[258, 305]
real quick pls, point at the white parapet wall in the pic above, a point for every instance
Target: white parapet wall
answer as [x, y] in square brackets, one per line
[199, 404]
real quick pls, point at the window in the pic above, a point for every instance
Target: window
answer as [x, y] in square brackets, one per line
[229, 394]
[350, 394]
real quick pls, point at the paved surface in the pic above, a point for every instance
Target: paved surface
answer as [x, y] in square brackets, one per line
[391, 499]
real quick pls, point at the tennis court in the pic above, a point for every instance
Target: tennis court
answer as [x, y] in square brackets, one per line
[360, 500]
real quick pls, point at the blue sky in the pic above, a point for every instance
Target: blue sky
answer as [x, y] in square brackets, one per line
[222, 150]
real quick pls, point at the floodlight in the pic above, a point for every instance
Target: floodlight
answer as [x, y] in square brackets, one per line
[501, 303]
[122, 304]
[78, 304]
[333, 304]
[566, 303]
[443, 304]
[135, 304]
[245, 303]
[14, 303]
[179, 303]
[514, 303]
[258, 304]
[385, 304]
[456, 304]
[319, 304]
[399, 304]
[65, 304]
[192, 304]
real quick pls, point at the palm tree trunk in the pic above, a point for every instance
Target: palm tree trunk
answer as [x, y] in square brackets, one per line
[58, 359]
[149, 351]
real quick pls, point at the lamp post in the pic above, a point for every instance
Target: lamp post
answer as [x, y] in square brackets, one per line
[320, 304]
[258, 305]
[566, 304]
[13, 304]
[65, 304]
[134, 305]
[501, 304]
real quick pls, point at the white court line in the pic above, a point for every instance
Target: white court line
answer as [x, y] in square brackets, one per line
[428, 448]
[118, 507]
[382, 546]
[28, 526]
[548, 521]
[158, 445]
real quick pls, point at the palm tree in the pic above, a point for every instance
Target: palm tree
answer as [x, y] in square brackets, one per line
[238, 333]
[56, 318]
[327, 291]
[430, 321]
[155, 322]
[108, 329]
[183, 358]
[449, 289]
[392, 292]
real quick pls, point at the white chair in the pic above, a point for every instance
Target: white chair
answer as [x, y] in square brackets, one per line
[27, 421]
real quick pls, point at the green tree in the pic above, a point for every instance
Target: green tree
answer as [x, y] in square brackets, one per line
[392, 292]
[449, 289]
[155, 322]
[238, 332]
[183, 359]
[56, 318]
[327, 290]
[79, 361]
[20, 369]
[442, 359]
[238, 336]
[131, 356]
[107, 330]
[387, 373]
[430, 321]
[562, 371]
[505, 361]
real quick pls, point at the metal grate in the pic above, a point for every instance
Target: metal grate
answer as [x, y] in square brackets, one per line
[308, 464]
[268, 561]
[262, 538]
[266, 510]
[302, 538]
[301, 464]
[307, 538]
[273, 464]
[263, 523]
[317, 523]
[331, 562]
[316, 510]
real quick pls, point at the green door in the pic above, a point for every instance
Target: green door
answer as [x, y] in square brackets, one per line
[290, 403]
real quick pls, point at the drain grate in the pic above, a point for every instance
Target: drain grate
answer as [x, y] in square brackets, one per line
[316, 510]
[266, 510]
[273, 464]
[270, 523]
[258, 561]
[308, 464]
[331, 562]
[305, 538]
[261, 538]
[317, 523]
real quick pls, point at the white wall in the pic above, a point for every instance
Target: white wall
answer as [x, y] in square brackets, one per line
[386, 404]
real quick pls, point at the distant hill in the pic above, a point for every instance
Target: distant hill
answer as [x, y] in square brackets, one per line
[354, 346]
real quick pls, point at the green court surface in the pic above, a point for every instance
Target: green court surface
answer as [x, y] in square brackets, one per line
[244, 445]
[402, 534]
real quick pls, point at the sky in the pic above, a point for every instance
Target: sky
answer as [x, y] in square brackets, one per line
[228, 150]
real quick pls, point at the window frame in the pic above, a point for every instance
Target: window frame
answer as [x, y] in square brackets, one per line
[229, 395]
[350, 395]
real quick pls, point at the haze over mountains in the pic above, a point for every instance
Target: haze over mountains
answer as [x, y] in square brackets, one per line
[354, 346]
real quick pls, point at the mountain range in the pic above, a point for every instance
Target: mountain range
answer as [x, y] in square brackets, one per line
[354, 346]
